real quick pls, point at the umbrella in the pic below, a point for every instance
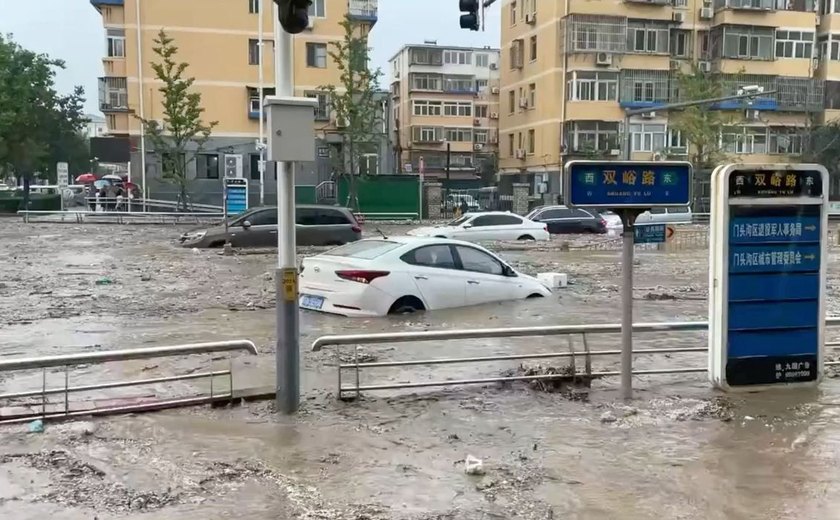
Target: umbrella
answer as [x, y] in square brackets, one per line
[112, 178]
[86, 178]
[101, 183]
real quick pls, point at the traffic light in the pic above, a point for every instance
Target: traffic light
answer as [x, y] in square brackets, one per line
[294, 15]
[469, 17]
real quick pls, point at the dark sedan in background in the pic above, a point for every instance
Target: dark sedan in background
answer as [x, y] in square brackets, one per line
[560, 220]
[316, 226]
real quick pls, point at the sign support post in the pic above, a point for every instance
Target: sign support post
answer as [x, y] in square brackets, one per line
[628, 188]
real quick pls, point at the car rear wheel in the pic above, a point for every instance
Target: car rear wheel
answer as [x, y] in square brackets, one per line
[526, 237]
[439, 236]
[535, 295]
[406, 305]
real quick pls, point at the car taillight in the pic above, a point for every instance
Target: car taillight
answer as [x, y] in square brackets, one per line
[603, 223]
[359, 218]
[356, 229]
[361, 276]
[545, 227]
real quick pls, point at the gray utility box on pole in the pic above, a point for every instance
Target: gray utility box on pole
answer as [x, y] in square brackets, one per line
[291, 123]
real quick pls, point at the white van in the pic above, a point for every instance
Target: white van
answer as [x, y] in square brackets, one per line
[679, 215]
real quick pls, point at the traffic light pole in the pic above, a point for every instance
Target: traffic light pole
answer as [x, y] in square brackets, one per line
[286, 279]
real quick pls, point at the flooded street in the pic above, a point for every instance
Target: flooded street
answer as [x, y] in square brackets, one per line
[678, 450]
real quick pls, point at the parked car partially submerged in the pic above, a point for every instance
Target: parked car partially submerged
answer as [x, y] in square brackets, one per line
[376, 277]
[492, 225]
[315, 226]
[560, 219]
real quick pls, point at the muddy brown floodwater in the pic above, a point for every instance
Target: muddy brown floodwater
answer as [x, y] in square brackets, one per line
[678, 450]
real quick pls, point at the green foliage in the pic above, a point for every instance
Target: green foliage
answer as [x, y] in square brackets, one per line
[182, 134]
[700, 125]
[823, 147]
[353, 101]
[38, 127]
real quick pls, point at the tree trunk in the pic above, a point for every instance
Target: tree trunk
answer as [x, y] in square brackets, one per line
[26, 183]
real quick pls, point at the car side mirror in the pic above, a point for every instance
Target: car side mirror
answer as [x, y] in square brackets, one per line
[535, 219]
[246, 224]
[467, 225]
[509, 272]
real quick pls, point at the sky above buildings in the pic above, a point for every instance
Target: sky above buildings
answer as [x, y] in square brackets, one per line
[71, 30]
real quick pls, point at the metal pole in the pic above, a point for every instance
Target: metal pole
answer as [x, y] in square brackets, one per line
[628, 219]
[448, 165]
[625, 153]
[142, 103]
[261, 144]
[288, 340]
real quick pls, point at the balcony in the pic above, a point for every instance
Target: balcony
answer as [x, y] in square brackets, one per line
[113, 94]
[644, 88]
[100, 3]
[459, 85]
[363, 10]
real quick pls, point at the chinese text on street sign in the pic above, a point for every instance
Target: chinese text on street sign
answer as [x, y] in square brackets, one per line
[649, 233]
[236, 196]
[628, 184]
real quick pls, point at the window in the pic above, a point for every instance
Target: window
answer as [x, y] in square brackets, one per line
[426, 108]
[786, 140]
[320, 217]
[647, 37]
[427, 134]
[431, 256]
[425, 56]
[480, 136]
[112, 122]
[593, 86]
[478, 261]
[463, 109]
[317, 9]
[207, 166]
[254, 52]
[511, 145]
[496, 220]
[322, 111]
[459, 135]
[532, 95]
[481, 111]
[266, 217]
[425, 81]
[794, 44]
[746, 42]
[116, 43]
[532, 141]
[533, 46]
[745, 140]
[459, 84]
[481, 84]
[512, 101]
[482, 60]
[254, 166]
[517, 53]
[455, 57]
[647, 137]
[677, 143]
[253, 6]
[681, 44]
[592, 136]
[316, 55]
[513, 12]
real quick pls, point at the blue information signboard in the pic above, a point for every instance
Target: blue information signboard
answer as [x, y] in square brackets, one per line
[649, 233]
[767, 258]
[236, 196]
[628, 184]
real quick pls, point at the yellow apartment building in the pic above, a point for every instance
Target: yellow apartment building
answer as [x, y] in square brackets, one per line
[220, 39]
[570, 69]
[445, 101]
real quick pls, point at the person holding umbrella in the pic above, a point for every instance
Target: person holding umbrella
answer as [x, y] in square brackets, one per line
[90, 190]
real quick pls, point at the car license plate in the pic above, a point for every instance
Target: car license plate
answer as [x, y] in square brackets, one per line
[311, 302]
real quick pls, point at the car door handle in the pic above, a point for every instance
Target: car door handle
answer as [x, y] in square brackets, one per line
[421, 278]
[274, 232]
[473, 282]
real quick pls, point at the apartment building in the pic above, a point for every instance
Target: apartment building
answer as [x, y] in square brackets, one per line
[445, 102]
[570, 69]
[220, 40]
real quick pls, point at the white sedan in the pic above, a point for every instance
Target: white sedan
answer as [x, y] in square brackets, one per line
[376, 277]
[493, 225]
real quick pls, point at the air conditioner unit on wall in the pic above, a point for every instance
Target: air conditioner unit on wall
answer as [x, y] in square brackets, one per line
[494, 66]
[678, 16]
[520, 153]
[648, 115]
[494, 90]
[603, 58]
[706, 13]
[531, 18]
[494, 115]
[523, 102]
[705, 66]
[311, 23]
[752, 115]
[478, 147]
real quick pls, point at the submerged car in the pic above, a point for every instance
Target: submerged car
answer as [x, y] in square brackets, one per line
[376, 277]
[315, 226]
[560, 219]
[491, 225]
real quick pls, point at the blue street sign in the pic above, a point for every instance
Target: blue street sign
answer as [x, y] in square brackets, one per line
[236, 196]
[628, 184]
[649, 234]
[768, 259]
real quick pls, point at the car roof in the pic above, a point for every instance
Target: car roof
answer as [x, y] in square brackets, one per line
[408, 240]
[485, 213]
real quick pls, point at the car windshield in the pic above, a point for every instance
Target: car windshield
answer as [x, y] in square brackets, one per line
[459, 221]
[364, 249]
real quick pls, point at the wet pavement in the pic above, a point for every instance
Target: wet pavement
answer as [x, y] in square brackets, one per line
[679, 450]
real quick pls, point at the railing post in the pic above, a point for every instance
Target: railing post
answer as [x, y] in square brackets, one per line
[43, 393]
[66, 392]
[358, 378]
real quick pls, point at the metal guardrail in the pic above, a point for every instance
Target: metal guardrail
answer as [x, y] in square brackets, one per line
[515, 332]
[69, 360]
[122, 217]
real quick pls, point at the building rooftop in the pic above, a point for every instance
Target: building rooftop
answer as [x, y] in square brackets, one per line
[408, 46]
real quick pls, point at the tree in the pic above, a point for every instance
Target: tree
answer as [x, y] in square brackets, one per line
[701, 126]
[38, 127]
[823, 147]
[354, 103]
[181, 134]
